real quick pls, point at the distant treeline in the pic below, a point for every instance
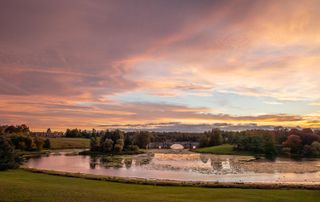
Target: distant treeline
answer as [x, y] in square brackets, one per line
[270, 143]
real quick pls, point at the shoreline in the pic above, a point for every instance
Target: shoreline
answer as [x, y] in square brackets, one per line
[162, 182]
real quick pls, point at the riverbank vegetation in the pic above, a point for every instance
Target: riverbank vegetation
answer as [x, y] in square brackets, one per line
[269, 143]
[53, 188]
[118, 142]
[15, 142]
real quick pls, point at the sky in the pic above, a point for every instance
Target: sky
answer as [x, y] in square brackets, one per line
[175, 65]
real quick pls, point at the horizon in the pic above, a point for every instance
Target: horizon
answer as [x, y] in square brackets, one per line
[163, 65]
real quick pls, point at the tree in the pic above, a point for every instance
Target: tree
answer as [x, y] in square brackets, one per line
[312, 150]
[94, 146]
[107, 146]
[49, 131]
[142, 139]
[294, 142]
[215, 137]
[47, 144]
[73, 132]
[38, 143]
[7, 155]
[118, 147]
[128, 141]
[204, 141]
[270, 150]
[315, 148]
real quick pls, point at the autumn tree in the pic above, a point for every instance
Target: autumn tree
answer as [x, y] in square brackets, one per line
[294, 142]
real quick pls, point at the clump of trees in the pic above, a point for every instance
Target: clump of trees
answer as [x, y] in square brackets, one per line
[211, 138]
[268, 143]
[117, 142]
[258, 142]
[20, 138]
[294, 142]
[302, 143]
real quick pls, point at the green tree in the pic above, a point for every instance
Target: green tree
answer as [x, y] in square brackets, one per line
[204, 141]
[47, 144]
[315, 148]
[142, 139]
[94, 146]
[270, 150]
[215, 137]
[107, 146]
[7, 154]
[38, 142]
[118, 147]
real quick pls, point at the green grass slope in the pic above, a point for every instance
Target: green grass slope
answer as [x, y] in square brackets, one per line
[225, 149]
[69, 143]
[19, 185]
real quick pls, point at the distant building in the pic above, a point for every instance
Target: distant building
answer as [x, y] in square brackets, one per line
[167, 145]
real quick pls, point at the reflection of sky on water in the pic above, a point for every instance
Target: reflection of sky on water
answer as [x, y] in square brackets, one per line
[188, 167]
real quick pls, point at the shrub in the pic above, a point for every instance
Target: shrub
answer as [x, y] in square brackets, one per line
[8, 158]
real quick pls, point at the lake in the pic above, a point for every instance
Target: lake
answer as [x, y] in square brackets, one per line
[185, 167]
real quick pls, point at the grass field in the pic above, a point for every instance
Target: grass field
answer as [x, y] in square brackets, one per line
[19, 185]
[226, 149]
[69, 143]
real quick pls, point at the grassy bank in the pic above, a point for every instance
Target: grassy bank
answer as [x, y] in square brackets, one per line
[19, 185]
[225, 149]
[69, 143]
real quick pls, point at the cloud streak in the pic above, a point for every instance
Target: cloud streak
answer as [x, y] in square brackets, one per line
[67, 64]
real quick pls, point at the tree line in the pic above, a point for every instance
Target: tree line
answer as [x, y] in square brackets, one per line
[270, 143]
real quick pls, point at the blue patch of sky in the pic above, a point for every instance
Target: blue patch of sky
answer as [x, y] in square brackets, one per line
[228, 103]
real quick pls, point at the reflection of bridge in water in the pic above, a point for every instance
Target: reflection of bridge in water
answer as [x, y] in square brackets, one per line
[167, 145]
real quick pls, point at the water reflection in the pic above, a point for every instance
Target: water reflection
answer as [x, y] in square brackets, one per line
[188, 167]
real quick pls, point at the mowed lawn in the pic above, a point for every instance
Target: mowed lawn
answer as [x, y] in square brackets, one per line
[226, 149]
[69, 143]
[19, 185]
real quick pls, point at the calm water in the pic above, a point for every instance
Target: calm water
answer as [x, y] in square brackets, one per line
[184, 167]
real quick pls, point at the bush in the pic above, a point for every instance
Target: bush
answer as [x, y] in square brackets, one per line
[315, 149]
[133, 148]
[8, 158]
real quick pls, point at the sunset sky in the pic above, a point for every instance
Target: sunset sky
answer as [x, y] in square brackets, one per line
[162, 65]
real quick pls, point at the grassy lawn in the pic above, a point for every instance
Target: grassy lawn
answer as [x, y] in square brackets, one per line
[19, 185]
[69, 143]
[226, 149]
